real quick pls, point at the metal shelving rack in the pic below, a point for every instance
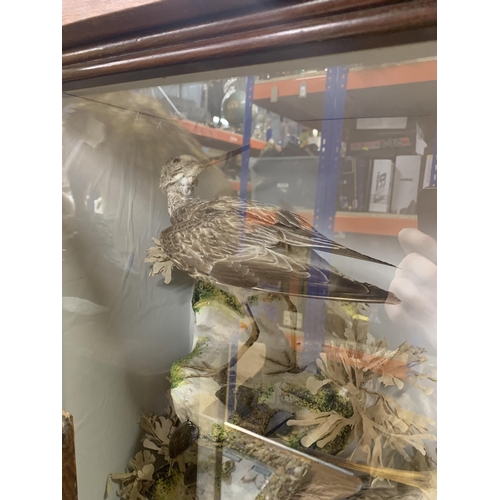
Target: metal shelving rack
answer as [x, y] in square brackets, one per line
[220, 139]
[326, 194]
[329, 86]
[334, 86]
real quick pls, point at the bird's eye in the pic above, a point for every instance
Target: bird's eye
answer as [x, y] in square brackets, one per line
[176, 160]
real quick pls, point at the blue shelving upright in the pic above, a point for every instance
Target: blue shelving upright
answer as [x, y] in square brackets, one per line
[244, 177]
[326, 198]
[247, 135]
[326, 189]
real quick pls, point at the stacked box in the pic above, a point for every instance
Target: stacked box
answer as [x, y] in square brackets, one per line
[354, 181]
[406, 182]
[285, 181]
[426, 180]
[368, 138]
[381, 186]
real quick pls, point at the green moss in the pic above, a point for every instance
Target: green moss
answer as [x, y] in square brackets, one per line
[272, 297]
[326, 399]
[166, 480]
[294, 440]
[177, 374]
[252, 300]
[222, 434]
[218, 483]
[219, 433]
[198, 348]
[339, 443]
[204, 291]
[265, 393]
[237, 420]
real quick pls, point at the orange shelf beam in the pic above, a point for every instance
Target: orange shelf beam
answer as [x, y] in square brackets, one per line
[356, 79]
[289, 87]
[217, 134]
[425, 71]
[360, 222]
[236, 186]
[379, 224]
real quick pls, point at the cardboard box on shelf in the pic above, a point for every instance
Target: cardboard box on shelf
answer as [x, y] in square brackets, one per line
[406, 182]
[426, 180]
[285, 181]
[382, 143]
[354, 184]
[388, 123]
[381, 186]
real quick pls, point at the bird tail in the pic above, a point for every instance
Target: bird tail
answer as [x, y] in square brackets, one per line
[371, 295]
[327, 246]
[347, 252]
[341, 287]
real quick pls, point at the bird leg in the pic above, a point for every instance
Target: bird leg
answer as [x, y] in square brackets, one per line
[220, 374]
[208, 371]
[182, 463]
[290, 365]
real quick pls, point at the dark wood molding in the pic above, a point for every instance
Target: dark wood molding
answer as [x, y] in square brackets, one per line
[69, 486]
[306, 29]
[164, 38]
[94, 20]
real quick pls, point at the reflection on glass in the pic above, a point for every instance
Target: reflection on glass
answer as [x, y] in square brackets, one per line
[269, 205]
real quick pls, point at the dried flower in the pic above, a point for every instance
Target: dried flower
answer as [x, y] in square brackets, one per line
[138, 480]
[158, 432]
[360, 367]
[159, 259]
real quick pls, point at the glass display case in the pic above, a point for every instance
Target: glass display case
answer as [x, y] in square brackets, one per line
[249, 273]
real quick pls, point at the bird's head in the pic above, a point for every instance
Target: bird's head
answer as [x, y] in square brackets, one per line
[181, 173]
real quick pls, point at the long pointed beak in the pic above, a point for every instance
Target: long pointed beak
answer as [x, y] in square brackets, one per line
[224, 157]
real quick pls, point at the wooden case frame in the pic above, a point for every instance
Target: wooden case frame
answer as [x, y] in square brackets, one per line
[106, 43]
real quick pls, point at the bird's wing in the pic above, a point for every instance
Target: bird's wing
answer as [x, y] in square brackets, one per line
[267, 270]
[232, 251]
[283, 226]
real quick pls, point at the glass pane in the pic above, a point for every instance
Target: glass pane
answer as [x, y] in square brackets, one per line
[249, 281]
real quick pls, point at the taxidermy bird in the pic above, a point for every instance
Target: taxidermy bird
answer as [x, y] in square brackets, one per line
[115, 145]
[250, 247]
